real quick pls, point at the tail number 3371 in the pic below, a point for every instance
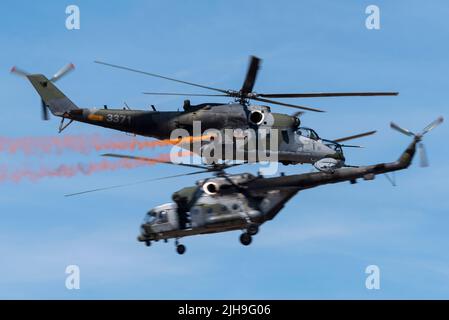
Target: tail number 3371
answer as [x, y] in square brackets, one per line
[117, 118]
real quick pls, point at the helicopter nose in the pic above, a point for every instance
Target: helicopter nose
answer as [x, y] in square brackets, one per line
[338, 155]
[146, 230]
[146, 233]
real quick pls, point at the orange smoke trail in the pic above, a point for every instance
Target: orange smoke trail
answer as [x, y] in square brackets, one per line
[83, 144]
[140, 144]
[68, 171]
[33, 145]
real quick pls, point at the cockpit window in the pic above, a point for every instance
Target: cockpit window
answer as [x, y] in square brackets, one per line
[308, 133]
[163, 216]
[150, 217]
[159, 216]
[333, 145]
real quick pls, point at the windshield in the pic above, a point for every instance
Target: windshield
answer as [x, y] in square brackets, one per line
[150, 217]
[161, 216]
[333, 145]
[308, 133]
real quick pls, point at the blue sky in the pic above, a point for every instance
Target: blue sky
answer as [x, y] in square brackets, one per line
[321, 243]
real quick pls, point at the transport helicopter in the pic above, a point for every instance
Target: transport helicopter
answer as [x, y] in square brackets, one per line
[228, 202]
[298, 145]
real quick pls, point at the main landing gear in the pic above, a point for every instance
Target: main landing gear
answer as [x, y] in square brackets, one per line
[247, 237]
[180, 248]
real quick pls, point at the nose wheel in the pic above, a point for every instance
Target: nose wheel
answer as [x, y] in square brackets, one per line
[180, 248]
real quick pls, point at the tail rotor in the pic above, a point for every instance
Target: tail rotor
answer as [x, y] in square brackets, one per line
[423, 162]
[418, 137]
[44, 109]
[58, 75]
[19, 72]
[63, 72]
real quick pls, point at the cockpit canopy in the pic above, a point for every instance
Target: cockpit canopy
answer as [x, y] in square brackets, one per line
[159, 214]
[150, 217]
[308, 133]
[333, 145]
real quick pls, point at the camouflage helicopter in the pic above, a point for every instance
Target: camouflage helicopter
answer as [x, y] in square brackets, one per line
[302, 145]
[240, 114]
[244, 201]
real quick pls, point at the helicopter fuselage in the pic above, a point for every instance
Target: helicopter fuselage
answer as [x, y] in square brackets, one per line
[293, 146]
[214, 205]
[244, 201]
[161, 124]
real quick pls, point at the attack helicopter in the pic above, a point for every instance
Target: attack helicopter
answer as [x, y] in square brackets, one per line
[295, 147]
[302, 145]
[228, 202]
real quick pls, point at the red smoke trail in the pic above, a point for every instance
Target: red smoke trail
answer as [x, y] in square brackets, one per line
[68, 171]
[35, 145]
[81, 144]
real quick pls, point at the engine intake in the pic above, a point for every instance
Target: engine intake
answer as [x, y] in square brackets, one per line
[256, 117]
[211, 188]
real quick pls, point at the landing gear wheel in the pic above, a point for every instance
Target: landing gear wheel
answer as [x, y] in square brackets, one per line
[180, 249]
[252, 229]
[148, 243]
[245, 239]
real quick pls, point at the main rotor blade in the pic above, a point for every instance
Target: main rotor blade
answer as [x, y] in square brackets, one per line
[297, 114]
[356, 136]
[185, 94]
[133, 183]
[326, 94]
[401, 130]
[288, 105]
[432, 125]
[63, 72]
[160, 76]
[227, 166]
[183, 174]
[251, 75]
[113, 155]
[106, 188]
[351, 146]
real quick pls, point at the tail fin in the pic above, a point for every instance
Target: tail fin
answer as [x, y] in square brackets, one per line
[54, 99]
